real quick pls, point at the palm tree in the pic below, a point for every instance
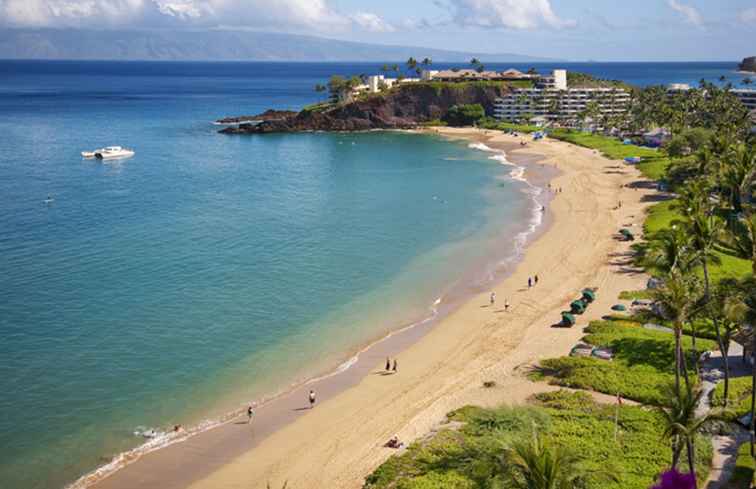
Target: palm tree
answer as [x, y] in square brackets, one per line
[726, 310]
[677, 297]
[670, 249]
[683, 423]
[427, 62]
[704, 227]
[411, 63]
[537, 465]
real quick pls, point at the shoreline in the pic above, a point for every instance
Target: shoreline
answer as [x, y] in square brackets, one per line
[345, 434]
[493, 267]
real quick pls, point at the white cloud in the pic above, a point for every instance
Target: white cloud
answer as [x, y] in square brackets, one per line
[371, 22]
[311, 15]
[66, 12]
[691, 14]
[510, 14]
[748, 16]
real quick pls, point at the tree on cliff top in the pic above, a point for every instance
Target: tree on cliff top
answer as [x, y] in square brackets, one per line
[464, 115]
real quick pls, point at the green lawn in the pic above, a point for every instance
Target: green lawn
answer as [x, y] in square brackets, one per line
[631, 449]
[653, 161]
[661, 215]
[504, 126]
[739, 397]
[642, 368]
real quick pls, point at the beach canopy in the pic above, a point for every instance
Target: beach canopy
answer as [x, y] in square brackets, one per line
[577, 307]
[619, 307]
[568, 319]
[589, 295]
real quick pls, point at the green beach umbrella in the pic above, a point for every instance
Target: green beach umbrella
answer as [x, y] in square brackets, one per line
[577, 307]
[589, 295]
[619, 307]
[568, 319]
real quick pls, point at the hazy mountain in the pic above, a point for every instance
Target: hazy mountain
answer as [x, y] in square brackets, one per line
[212, 45]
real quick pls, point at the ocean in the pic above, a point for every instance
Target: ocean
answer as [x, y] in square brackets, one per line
[211, 270]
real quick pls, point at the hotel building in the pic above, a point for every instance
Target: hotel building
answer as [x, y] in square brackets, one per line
[553, 100]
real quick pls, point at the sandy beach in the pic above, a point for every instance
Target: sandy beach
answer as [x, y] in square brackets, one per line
[340, 441]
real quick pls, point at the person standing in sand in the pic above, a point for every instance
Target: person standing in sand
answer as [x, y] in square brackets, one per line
[388, 364]
[536, 279]
[312, 399]
[506, 305]
[493, 298]
[395, 365]
[250, 413]
[530, 282]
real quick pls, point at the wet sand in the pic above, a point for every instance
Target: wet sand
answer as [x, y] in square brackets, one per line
[442, 363]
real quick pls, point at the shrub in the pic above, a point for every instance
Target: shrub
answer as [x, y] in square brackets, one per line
[465, 114]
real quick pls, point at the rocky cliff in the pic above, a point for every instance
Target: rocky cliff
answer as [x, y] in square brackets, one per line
[748, 64]
[401, 108]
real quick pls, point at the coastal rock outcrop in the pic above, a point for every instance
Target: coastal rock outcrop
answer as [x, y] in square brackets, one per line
[404, 108]
[748, 64]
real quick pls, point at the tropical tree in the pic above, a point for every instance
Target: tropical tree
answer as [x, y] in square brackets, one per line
[703, 226]
[411, 63]
[683, 423]
[535, 464]
[670, 249]
[676, 300]
[426, 62]
[726, 309]
[320, 88]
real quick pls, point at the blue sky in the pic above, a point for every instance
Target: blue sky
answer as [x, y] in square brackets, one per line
[570, 29]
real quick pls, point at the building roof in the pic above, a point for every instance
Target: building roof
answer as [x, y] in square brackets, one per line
[483, 75]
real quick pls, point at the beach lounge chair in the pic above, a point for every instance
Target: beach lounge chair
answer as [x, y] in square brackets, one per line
[588, 296]
[577, 307]
[581, 350]
[602, 353]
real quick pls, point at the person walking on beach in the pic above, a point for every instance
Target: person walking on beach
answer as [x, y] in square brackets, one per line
[312, 399]
[394, 367]
[536, 279]
[506, 305]
[388, 364]
[493, 298]
[250, 413]
[530, 282]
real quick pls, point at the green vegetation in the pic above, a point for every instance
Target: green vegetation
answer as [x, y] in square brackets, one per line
[642, 367]
[743, 475]
[509, 126]
[629, 295]
[464, 115]
[623, 442]
[739, 397]
[653, 161]
[318, 107]
[584, 80]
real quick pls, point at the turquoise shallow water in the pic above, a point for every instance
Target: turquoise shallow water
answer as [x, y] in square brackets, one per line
[207, 270]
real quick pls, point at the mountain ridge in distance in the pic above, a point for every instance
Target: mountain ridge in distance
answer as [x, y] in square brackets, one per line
[214, 45]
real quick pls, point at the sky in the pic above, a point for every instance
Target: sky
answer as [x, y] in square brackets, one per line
[601, 30]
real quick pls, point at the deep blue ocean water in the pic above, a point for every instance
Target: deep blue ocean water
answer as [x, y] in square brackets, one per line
[209, 270]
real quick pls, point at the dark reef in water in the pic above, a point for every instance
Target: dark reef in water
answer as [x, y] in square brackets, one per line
[405, 107]
[748, 64]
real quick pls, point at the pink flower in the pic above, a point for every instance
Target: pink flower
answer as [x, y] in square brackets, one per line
[672, 479]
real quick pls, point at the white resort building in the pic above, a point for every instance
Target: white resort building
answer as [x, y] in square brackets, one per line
[554, 101]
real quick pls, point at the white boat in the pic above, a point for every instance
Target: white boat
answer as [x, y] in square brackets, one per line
[108, 153]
